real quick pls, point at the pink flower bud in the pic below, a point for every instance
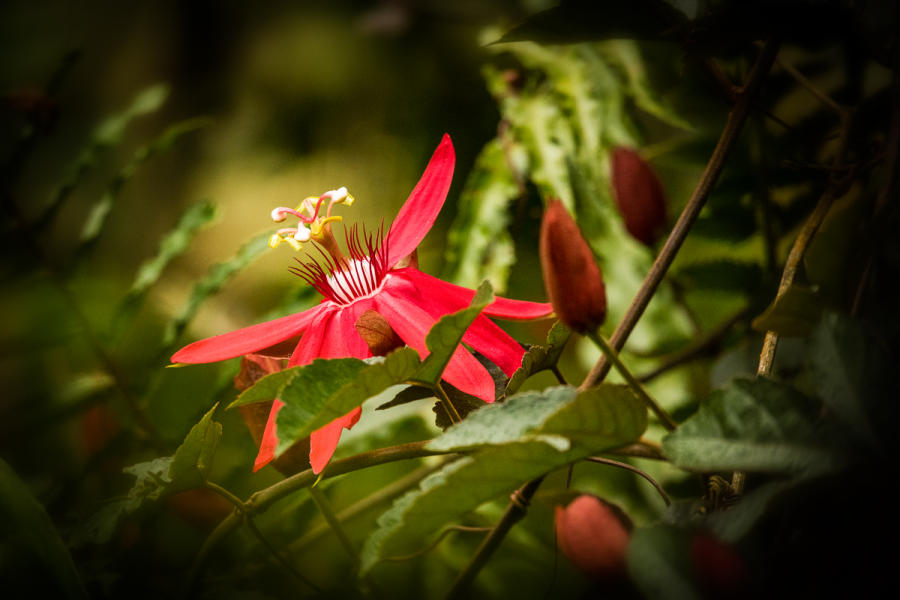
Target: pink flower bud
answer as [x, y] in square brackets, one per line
[639, 195]
[594, 535]
[571, 275]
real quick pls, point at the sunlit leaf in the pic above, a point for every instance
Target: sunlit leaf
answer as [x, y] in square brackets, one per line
[446, 335]
[317, 393]
[193, 458]
[540, 357]
[29, 535]
[509, 443]
[755, 425]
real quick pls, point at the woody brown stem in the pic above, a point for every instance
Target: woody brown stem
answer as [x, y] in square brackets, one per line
[727, 140]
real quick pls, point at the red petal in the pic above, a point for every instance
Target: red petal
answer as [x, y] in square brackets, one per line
[412, 324]
[501, 308]
[323, 441]
[269, 439]
[486, 337]
[423, 205]
[483, 336]
[331, 336]
[247, 340]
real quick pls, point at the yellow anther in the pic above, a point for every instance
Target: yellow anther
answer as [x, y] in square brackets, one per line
[277, 239]
[317, 226]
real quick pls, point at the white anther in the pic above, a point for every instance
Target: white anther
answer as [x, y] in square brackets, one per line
[338, 195]
[279, 214]
[303, 233]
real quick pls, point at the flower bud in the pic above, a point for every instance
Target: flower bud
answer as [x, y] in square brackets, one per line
[594, 535]
[571, 275]
[639, 195]
[719, 569]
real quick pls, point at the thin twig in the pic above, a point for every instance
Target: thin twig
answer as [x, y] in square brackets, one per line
[384, 494]
[444, 533]
[696, 349]
[727, 140]
[325, 508]
[633, 383]
[633, 469]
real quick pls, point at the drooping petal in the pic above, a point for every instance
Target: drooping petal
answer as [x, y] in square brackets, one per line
[412, 324]
[423, 205]
[333, 336]
[306, 351]
[483, 335]
[269, 439]
[499, 347]
[247, 340]
[501, 308]
[324, 441]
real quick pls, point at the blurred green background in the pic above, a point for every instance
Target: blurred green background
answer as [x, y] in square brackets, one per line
[123, 122]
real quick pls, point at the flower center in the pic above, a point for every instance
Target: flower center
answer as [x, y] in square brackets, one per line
[337, 277]
[312, 225]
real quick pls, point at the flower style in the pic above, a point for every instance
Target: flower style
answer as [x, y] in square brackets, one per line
[379, 275]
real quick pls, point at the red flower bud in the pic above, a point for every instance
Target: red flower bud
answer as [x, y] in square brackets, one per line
[719, 569]
[594, 535]
[571, 275]
[639, 195]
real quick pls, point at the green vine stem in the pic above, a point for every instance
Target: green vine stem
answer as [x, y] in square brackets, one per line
[633, 383]
[515, 512]
[261, 500]
[837, 187]
[621, 465]
[736, 118]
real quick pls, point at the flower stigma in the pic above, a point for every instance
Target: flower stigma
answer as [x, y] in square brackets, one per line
[311, 226]
[339, 278]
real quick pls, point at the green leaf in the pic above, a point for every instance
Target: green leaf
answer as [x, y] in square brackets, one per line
[446, 335]
[831, 251]
[528, 435]
[479, 246]
[793, 313]
[145, 102]
[659, 563]
[755, 425]
[193, 458]
[195, 218]
[850, 369]
[324, 390]
[539, 358]
[96, 218]
[463, 404]
[29, 536]
[217, 276]
[186, 469]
